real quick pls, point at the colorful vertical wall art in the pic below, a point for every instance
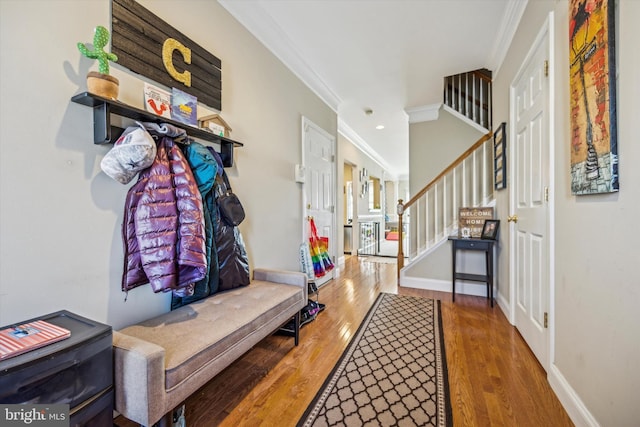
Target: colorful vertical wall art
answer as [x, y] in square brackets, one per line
[594, 151]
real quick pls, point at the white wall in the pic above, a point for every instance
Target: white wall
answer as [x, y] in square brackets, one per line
[595, 319]
[597, 294]
[60, 215]
[434, 145]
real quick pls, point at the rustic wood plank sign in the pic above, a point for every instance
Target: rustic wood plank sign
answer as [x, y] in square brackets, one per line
[473, 219]
[149, 46]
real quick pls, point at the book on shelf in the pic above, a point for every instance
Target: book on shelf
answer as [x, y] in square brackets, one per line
[18, 339]
[184, 107]
[157, 100]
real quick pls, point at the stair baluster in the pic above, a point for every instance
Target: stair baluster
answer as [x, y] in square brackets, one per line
[430, 216]
[469, 94]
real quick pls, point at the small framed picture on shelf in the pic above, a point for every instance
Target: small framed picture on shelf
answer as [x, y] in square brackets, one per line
[500, 157]
[490, 229]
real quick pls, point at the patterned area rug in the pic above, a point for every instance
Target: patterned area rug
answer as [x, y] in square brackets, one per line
[393, 372]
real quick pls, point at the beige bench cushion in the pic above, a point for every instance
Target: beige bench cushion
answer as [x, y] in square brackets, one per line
[212, 332]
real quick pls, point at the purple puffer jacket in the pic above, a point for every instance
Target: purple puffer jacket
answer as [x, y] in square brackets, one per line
[163, 228]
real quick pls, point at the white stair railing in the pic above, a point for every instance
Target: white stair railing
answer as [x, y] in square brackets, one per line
[432, 214]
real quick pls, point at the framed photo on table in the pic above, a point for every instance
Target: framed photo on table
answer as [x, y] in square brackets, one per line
[490, 229]
[500, 157]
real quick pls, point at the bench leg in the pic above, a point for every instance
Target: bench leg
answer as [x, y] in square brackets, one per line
[166, 421]
[174, 418]
[296, 327]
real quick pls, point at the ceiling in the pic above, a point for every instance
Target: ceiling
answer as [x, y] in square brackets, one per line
[385, 56]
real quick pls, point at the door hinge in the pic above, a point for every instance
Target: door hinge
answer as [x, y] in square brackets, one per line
[546, 68]
[546, 319]
[546, 194]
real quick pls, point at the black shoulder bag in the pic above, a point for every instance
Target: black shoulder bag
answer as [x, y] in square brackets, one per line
[231, 209]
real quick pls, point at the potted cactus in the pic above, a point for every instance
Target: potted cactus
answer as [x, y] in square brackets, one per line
[101, 83]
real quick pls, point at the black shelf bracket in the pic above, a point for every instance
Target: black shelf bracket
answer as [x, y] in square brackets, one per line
[105, 133]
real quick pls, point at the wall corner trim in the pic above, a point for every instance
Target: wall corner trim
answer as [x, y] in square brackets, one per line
[261, 24]
[509, 24]
[425, 113]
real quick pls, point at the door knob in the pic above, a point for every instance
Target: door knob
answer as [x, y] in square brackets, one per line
[512, 218]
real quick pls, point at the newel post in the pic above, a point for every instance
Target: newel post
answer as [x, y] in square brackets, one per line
[400, 210]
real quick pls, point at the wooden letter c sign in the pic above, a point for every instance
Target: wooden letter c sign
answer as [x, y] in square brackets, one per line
[167, 59]
[147, 45]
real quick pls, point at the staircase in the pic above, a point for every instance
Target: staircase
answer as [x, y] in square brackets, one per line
[469, 94]
[431, 215]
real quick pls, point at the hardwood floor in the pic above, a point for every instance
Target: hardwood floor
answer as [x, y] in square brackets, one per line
[494, 378]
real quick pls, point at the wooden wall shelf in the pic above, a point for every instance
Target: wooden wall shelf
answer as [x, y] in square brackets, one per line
[105, 133]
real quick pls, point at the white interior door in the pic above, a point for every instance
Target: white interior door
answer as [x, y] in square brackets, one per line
[530, 211]
[320, 183]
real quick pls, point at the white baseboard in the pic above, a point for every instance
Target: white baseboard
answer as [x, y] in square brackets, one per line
[341, 260]
[504, 305]
[462, 287]
[321, 281]
[569, 399]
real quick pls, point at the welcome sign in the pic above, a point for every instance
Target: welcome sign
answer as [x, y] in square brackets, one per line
[149, 46]
[473, 219]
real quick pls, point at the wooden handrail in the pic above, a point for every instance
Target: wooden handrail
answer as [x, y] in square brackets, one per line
[402, 207]
[482, 76]
[449, 168]
[479, 74]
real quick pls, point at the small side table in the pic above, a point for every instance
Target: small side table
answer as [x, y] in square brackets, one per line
[473, 244]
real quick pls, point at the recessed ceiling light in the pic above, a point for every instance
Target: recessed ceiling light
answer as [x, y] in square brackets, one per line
[380, 127]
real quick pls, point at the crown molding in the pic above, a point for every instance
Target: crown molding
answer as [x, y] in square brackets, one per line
[425, 113]
[258, 22]
[508, 25]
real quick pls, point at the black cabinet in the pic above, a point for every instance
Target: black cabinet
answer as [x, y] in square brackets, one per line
[77, 371]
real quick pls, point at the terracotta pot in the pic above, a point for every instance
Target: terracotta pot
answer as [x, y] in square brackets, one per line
[102, 85]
